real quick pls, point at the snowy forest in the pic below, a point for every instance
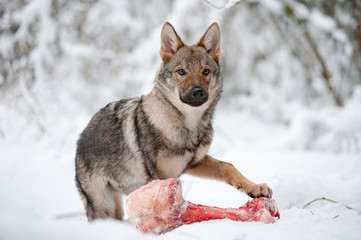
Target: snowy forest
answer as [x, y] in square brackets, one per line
[291, 107]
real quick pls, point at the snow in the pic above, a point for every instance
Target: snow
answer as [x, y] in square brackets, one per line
[276, 122]
[39, 200]
[321, 21]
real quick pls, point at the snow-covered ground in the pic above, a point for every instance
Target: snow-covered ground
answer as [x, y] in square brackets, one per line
[38, 198]
[60, 61]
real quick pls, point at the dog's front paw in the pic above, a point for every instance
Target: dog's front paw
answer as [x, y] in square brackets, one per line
[259, 190]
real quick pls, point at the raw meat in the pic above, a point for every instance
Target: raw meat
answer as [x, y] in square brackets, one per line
[159, 207]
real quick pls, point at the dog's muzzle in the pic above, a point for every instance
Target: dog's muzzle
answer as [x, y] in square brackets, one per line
[195, 97]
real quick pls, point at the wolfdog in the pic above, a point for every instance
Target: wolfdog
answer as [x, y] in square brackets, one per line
[160, 135]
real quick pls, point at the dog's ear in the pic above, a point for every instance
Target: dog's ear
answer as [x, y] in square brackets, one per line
[211, 41]
[170, 42]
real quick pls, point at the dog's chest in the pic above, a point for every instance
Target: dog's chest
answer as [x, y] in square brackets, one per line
[174, 165]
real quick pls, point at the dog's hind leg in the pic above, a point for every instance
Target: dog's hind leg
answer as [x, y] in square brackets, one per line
[101, 199]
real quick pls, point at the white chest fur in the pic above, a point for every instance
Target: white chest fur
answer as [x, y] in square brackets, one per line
[174, 166]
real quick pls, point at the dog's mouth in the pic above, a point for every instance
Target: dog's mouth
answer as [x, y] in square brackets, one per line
[194, 97]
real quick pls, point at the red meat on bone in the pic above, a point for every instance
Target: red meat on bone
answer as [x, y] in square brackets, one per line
[159, 207]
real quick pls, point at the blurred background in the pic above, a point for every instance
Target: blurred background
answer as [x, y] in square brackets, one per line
[293, 65]
[290, 114]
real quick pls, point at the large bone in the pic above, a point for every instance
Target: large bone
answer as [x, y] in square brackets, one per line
[159, 207]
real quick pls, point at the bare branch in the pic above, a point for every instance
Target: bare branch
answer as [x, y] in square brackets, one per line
[329, 200]
[224, 6]
[324, 70]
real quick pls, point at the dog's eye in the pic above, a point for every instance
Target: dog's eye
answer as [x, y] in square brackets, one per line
[206, 72]
[181, 71]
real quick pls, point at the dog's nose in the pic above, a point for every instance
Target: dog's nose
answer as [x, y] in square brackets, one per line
[194, 97]
[198, 93]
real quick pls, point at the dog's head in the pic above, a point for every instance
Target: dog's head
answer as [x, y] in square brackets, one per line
[191, 72]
